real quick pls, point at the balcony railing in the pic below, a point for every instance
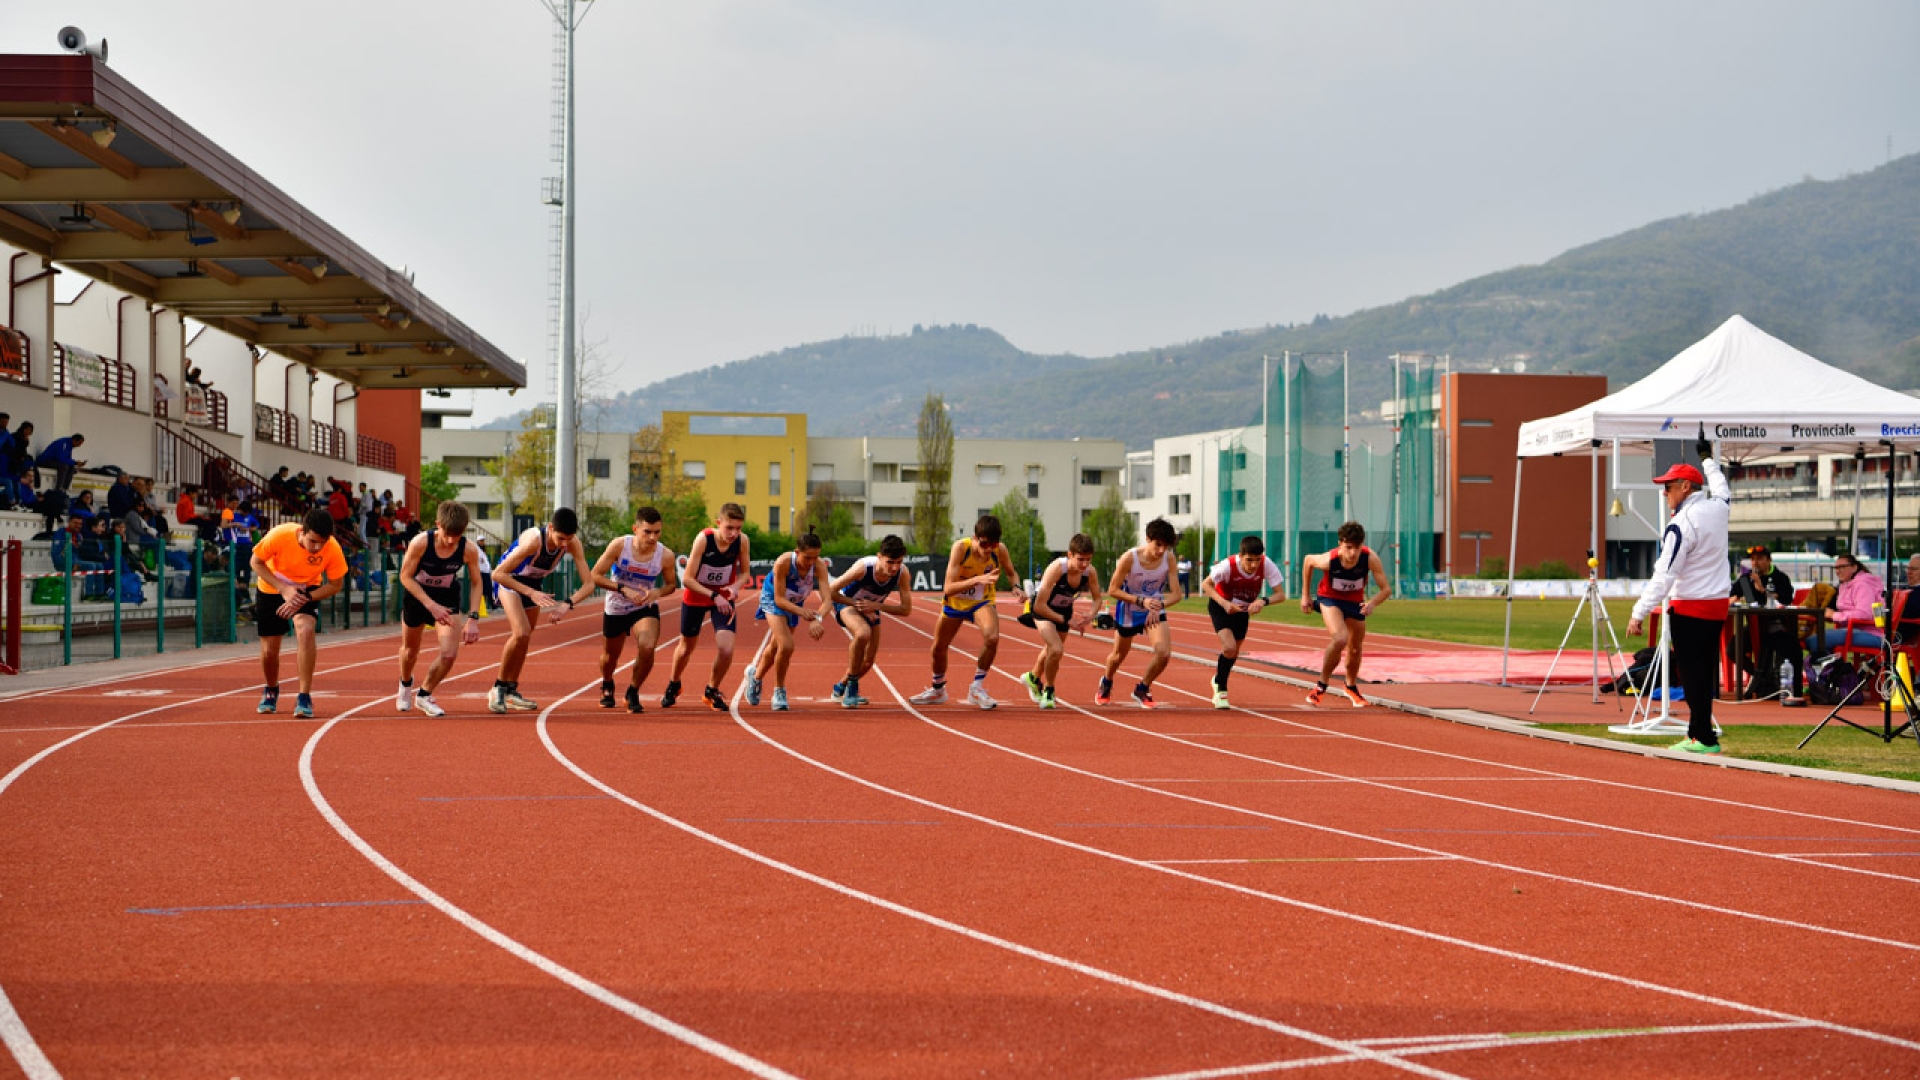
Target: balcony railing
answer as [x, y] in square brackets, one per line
[378, 454]
[846, 489]
[276, 426]
[16, 356]
[210, 412]
[328, 441]
[78, 373]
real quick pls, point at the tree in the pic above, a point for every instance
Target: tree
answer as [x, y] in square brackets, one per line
[1197, 545]
[681, 519]
[525, 473]
[1024, 534]
[933, 496]
[1110, 529]
[827, 517]
[435, 488]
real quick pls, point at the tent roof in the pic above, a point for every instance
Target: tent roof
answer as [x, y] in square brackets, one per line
[1754, 394]
[100, 178]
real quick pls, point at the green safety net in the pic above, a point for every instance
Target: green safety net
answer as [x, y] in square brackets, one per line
[1414, 538]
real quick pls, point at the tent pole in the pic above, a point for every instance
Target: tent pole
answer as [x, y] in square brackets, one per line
[1513, 553]
[1886, 632]
[1593, 515]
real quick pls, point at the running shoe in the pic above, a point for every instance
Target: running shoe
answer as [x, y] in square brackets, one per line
[497, 699]
[1353, 697]
[1104, 695]
[1034, 690]
[672, 695]
[1046, 698]
[852, 698]
[779, 699]
[606, 694]
[404, 699]
[1314, 695]
[714, 700]
[269, 700]
[1693, 746]
[633, 700]
[932, 695]
[1143, 697]
[516, 701]
[303, 706]
[1220, 697]
[839, 689]
[753, 687]
[429, 706]
[977, 696]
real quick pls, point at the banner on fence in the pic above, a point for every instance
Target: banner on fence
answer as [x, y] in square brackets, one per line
[926, 572]
[13, 354]
[196, 405]
[86, 375]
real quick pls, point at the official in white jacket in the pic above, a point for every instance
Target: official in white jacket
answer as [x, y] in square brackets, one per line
[1692, 569]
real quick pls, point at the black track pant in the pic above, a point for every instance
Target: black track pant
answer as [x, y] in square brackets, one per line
[1696, 656]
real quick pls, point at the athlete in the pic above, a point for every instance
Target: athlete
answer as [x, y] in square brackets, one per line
[637, 570]
[974, 567]
[1050, 611]
[1237, 588]
[718, 561]
[520, 575]
[295, 566]
[430, 573]
[1343, 605]
[1143, 587]
[871, 587]
[796, 576]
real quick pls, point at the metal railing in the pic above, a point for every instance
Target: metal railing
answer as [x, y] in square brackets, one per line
[328, 441]
[276, 426]
[377, 454]
[849, 489]
[16, 356]
[180, 457]
[116, 380]
[216, 418]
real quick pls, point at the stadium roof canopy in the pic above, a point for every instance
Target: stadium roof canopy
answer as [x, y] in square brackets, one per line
[102, 180]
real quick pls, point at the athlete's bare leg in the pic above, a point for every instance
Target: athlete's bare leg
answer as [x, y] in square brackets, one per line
[610, 649]
[988, 620]
[646, 638]
[449, 637]
[513, 655]
[1356, 637]
[304, 633]
[863, 641]
[942, 640]
[270, 660]
[1338, 637]
[1046, 666]
[1118, 655]
[778, 654]
[683, 652]
[409, 650]
[723, 656]
[1162, 637]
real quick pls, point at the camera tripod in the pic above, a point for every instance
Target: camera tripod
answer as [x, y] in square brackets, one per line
[1890, 687]
[1589, 594]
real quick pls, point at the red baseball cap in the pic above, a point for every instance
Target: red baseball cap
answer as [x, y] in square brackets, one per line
[1682, 472]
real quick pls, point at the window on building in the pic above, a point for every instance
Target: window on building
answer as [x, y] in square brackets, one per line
[1180, 504]
[773, 517]
[1240, 500]
[1033, 489]
[773, 480]
[886, 472]
[739, 478]
[987, 475]
[1180, 465]
[980, 513]
[1141, 484]
[910, 474]
[1239, 459]
[892, 515]
[820, 474]
[694, 470]
[1476, 423]
[486, 511]
[1035, 472]
[1092, 477]
[1476, 479]
[599, 468]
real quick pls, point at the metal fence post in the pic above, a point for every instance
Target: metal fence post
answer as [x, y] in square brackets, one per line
[199, 607]
[66, 631]
[160, 601]
[233, 593]
[113, 585]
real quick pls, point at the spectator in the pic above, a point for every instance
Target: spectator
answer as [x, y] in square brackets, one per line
[1853, 607]
[386, 500]
[69, 554]
[82, 506]
[129, 556]
[121, 496]
[337, 509]
[6, 438]
[58, 456]
[141, 539]
[16, 487]
[189, 516]
[20, 448]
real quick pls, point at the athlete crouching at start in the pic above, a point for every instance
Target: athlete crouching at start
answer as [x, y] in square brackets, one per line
[1050, 611]
[636, 570]
[871, 587]
[520, 575]
[1342, 603]
[430, 574]
[1236, 589]
[719, 560]
[795, 576]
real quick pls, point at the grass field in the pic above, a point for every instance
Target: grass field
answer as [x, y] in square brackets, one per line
[1837, 747]
[1537, 624]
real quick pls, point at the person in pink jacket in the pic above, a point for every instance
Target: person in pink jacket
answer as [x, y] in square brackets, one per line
[1860, 589]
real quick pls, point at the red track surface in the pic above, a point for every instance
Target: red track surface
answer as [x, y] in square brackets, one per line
[187, 889]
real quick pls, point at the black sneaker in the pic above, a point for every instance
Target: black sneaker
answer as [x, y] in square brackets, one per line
[606, 695]
[714, 699]
[633, 700]
[672, 695]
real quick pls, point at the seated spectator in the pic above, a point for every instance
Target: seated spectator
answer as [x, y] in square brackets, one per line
[20, 448]
[6, 438]
[16, 489]
[189, 516]
[143, 543]
[1853, 608]
[82, 505]
[58, 456]
[129, 550]
[386, 499]
[69, 553]
[120, 496]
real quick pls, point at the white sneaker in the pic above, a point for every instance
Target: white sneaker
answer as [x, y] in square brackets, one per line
[932, 695]
[497, 699]
[429, 706]
[977, 695]
[404, 699]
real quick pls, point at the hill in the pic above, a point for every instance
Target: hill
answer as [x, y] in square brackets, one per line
[1830, 267]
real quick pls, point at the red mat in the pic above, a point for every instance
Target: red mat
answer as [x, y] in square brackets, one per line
[1528, 666]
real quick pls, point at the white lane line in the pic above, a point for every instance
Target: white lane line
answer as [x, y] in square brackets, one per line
[1320, 909]
[1349, 1049]
[1482, 804]
[507, 944]
[1483, 762]
[13, 1031]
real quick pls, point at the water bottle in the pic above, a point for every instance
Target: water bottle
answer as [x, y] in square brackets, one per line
[1786, 678]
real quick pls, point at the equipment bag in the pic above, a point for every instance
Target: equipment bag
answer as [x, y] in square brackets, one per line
[50, 590]
[1831, 680]
[131, 590]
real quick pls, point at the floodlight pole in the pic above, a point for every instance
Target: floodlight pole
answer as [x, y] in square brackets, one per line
[570, 14]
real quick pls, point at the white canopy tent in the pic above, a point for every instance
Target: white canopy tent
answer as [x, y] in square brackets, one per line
[1752, 393]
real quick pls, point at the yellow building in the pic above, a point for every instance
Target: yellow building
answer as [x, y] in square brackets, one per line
[758, 460]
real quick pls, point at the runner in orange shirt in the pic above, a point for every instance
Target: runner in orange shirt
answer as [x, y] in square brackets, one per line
[294, 568]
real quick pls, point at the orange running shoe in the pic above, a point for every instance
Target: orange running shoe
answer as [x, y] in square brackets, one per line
[1314, 695]
[1354, 698]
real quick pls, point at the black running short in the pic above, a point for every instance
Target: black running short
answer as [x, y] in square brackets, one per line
[266, 613]
[619, 626]
[1223, 619]
[415, 613]
[691, 617]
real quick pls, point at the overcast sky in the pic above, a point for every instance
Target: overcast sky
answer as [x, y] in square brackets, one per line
[1087, 176]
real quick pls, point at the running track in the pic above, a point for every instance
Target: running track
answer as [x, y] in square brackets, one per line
[187, 889]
